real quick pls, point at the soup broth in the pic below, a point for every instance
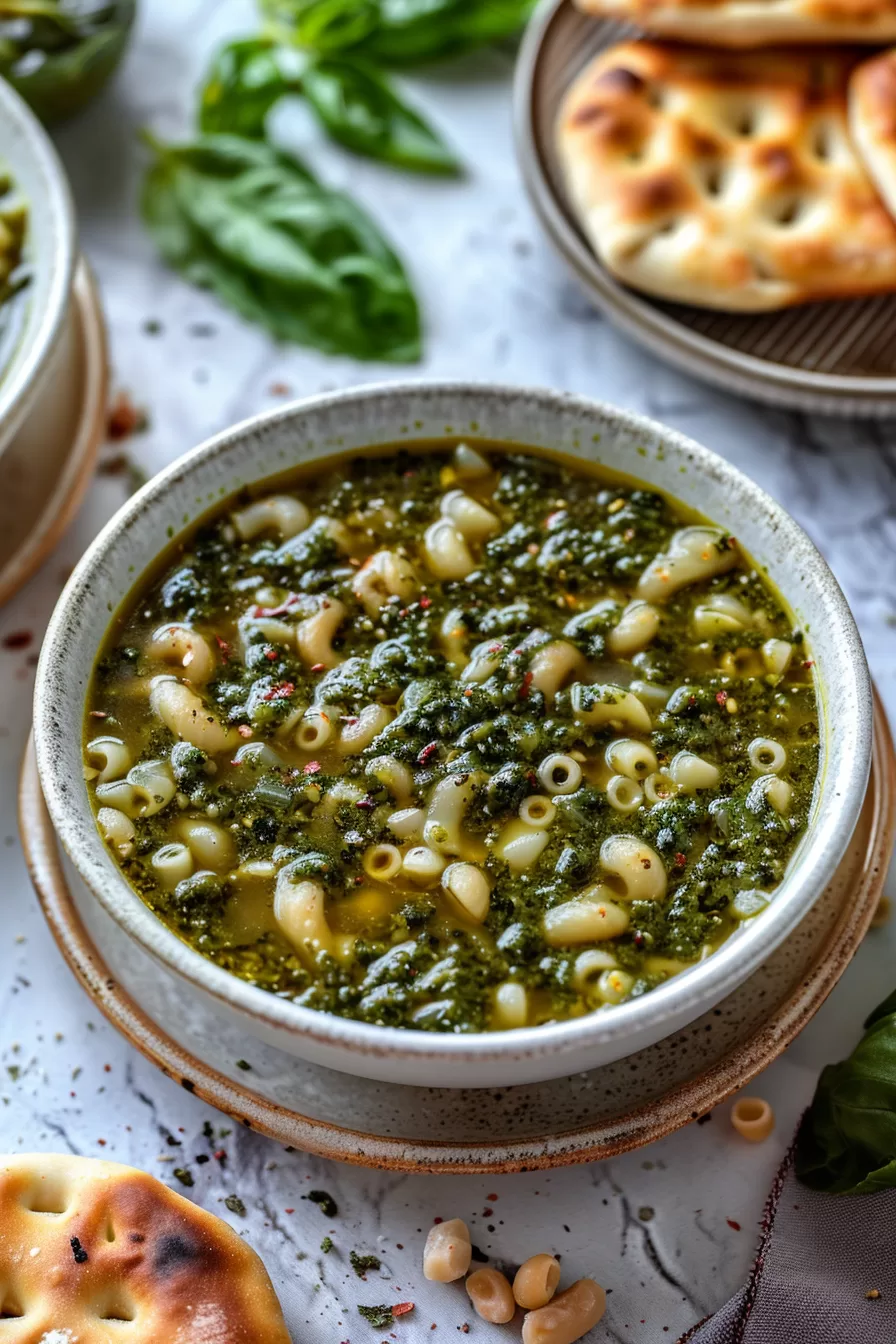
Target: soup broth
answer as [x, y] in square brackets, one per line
[459, 738]
[13, 269]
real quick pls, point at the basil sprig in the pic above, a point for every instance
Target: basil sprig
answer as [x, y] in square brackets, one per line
[356, 105]
[239, 217]
[847, 1141]
[397, 32]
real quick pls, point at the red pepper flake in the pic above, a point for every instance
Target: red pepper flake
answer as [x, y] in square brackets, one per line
[101, 1142]
[402, 1308]
[244, 730]
[272, 655]
[224, 648]
[427, 753]
[289, 1210]
[692, 700]
[280, 390]
[318, 667]
[810, 662]
[721, 697]
[487, 1212]
[282, 691]
[732, 1223]
[19, 639]
[527, 682]
[284, 608]
[496, 648]
[491, 1198]
[438, 1220]
[124, 419]
[365, 804]
[311, 768]
[425, 602]
[680, 860]
[220, 1155]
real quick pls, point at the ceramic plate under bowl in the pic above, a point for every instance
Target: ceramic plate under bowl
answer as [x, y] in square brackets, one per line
[584, 1118]
[837, 357]
[47, 468]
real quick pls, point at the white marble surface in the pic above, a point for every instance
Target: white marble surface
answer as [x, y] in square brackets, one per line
[670, 1229]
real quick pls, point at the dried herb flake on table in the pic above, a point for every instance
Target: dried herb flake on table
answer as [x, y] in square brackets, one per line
[250, 223]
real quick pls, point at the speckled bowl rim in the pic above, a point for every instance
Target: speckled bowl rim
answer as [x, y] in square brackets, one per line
[20, 381]
[58, 710]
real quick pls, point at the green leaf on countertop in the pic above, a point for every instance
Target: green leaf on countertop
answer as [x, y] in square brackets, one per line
[238, 217]
[355, 104]
[244, 81]
[359, 108]
[847, 1140]
[397, 32]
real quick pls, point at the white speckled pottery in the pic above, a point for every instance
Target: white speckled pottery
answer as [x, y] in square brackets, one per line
[47, 344]
[311, 430]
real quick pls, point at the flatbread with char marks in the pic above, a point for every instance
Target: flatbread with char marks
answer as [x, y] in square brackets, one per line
[722, 179]
[96, 1253]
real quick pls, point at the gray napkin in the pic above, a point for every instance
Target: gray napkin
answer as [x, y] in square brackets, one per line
[825, 1272]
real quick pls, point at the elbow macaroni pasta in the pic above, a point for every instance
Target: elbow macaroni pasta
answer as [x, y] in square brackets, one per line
[457, 741]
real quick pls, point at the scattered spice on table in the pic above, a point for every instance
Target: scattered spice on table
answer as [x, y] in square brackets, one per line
[235, 1205]
[380, 1317]
[183, 1175]
[78, 1251]
[327, 1245]
[326, 1203]
[361, 1263]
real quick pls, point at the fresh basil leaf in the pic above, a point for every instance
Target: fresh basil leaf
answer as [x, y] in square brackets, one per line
[59, 53]
[324, 25]
[361, 110]
[847, 1140]
[236, 216]
[882, 1010]
[397, 32]
[244, 82]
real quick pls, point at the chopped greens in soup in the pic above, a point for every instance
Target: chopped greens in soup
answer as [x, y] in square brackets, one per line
[13, 272]
[458, 739]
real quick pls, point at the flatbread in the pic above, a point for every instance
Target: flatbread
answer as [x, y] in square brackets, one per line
[96, 1253]
[755, 23]
[872, 121]
[724, 179]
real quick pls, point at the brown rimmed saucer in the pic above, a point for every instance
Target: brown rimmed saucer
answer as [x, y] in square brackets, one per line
[47, 468]
[583, 1118]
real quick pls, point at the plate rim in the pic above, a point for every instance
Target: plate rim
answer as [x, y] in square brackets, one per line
[651, 1120]
[688, 351]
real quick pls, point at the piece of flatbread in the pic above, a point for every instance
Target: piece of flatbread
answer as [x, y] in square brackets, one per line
[872, 121]
[95, 1253]
[724, 179]
[755, 23]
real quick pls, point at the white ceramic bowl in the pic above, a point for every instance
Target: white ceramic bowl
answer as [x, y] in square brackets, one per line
[310, 430]
[47, 339]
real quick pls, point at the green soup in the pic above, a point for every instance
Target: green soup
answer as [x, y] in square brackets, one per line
[456, 739]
